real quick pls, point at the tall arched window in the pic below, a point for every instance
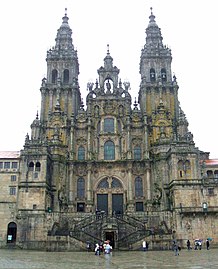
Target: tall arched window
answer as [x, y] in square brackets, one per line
[109, 150]
[80, 188]
[184, 168]
[66, 76]
[138, 187]
[180, 168]
[187, 168]
[31, 166]
[54, 76]
[163, 74]
[81, 153]
[152, 75]
[137, 153]
[38, 166]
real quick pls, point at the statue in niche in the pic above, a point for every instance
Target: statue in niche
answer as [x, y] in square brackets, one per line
[162, 132]
[158, 196]
[97, 111]
[108, 86]
[62, 198]
[121, 111]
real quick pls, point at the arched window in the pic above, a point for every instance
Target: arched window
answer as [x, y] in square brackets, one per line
[187, 168]
[109, 125]
[81, 153]
[138, 187]
[66, 76]
[216, 173]
[116, 183]
[54, 76]
[152, 75]
[184, 168]
[80, 188]
[38, 166]
[103, 184]
[109, 150]
[163, 74]
[137, 153]
[209, 173]
[31, 166]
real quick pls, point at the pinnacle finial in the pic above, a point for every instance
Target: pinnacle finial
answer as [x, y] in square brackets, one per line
[152, 17]
[65, 11]
[108, 52]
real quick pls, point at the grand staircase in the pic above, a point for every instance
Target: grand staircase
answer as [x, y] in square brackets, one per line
[127, 230]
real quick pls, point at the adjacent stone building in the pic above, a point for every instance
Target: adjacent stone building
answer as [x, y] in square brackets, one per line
[114, 169]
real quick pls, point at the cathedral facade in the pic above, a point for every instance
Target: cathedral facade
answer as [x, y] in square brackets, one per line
[113, 169]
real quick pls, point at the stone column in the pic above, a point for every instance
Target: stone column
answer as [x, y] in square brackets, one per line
[148, 183]
[146, 152]
[71, 183]
[89, 189]
[128, 144]
[89, 139]
[130, 206]
[50, 99]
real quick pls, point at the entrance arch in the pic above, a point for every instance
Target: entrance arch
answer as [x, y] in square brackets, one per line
[110, 196]
[12, 232]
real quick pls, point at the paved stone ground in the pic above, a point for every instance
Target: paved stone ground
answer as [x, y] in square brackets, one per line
[194, 259]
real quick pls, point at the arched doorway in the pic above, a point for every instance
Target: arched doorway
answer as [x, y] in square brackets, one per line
[12, 232]
[109, 196]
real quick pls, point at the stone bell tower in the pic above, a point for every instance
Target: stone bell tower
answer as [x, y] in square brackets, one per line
[158, 95]
[44, 179]
[61, 85]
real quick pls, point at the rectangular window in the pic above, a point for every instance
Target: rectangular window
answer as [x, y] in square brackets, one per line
[7, 165]
[80, 207]
[81, 153]
[13, 178]
[1, 165]
[139, 206]
[14, 165]
[137, 153]
[109, 125]
[12, 190]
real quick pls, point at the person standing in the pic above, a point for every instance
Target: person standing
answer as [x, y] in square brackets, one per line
[188, 245]
[108, 248]
[176, 248]
[97, 249]
[207, 244]
[200, 244]
[144, 245]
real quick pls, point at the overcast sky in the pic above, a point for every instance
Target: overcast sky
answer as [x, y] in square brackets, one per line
[28, 30]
